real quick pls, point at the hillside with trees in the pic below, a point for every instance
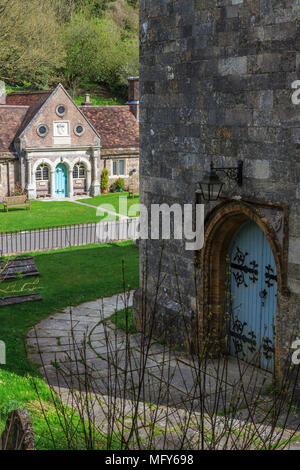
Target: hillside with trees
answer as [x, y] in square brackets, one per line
[84, 44]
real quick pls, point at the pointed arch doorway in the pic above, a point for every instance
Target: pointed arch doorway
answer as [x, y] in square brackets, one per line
[223, 227]
[251, 296]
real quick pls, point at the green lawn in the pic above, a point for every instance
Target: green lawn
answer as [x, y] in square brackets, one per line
[20, 392]
[68, 277]
[46, 214]
[115, 201]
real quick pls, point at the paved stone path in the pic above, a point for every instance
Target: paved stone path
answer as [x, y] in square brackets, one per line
[79, 348]
[81, 334]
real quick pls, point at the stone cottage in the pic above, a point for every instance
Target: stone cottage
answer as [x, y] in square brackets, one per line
[217, 80]
[54, 148]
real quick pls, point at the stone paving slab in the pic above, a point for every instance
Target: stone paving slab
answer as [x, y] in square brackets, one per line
[169, 424]
[75, 349]
[51, 342]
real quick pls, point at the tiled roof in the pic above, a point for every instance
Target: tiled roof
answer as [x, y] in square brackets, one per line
[26, 98]
[34, 100]
[116, 125]
[11, 120]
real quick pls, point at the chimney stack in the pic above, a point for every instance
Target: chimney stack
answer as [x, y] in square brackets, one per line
[87, 101]
[134, 96]
[2, 93]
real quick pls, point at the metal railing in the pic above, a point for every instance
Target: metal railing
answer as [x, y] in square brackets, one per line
[72, 235]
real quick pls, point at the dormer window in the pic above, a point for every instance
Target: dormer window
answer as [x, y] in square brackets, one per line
[42, 130]
[79, 129]
[61, 110]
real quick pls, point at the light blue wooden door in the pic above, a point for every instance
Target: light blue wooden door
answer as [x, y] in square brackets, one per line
[252, 291]
[61, 181]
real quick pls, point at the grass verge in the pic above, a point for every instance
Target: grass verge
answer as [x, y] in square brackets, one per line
[20, 392]
[124, 321]
[68, 277]
[46, 214]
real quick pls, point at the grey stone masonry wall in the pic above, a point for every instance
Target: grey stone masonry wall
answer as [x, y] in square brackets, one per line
[216, 83]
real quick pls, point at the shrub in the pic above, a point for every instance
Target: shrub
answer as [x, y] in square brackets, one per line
[118, 185]
[104, 179]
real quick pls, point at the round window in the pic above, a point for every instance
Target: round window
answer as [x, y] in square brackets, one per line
[79, 129]
[61, 110]
[42, 130]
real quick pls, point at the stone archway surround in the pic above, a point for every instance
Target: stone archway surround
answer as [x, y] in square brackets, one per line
[32, 171]
[220, 226]
[88, 168]
[52, 164]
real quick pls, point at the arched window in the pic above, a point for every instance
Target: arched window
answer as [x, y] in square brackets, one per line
[42, 173]
[79, 171]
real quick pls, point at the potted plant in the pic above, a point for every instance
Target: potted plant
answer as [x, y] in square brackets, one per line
[119, 185]
[104, 180]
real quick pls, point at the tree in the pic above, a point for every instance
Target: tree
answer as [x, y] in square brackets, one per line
[30, 42]
[97, 52]
[46, 41]
[66, 9]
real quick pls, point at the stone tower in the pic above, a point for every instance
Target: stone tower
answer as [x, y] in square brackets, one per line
[216, 85]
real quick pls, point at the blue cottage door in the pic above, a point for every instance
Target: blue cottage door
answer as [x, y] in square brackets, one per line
[61, 181]
[252, 296]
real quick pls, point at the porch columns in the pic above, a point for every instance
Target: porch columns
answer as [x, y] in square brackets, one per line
[95, 186]
[22, 171]
[29, 175]
[88, 180]
[53, 184]
[71, 190]
[30, 186]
